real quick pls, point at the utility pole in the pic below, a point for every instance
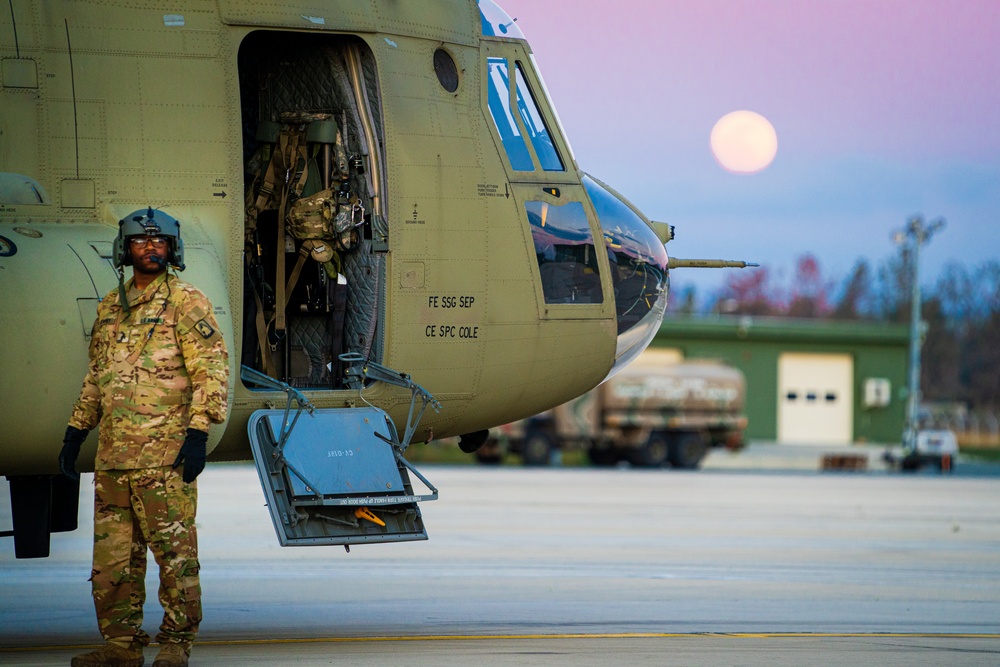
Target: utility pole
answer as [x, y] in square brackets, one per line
[915, 234]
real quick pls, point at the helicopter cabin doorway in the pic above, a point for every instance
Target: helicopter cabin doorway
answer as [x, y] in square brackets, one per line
[315, 229]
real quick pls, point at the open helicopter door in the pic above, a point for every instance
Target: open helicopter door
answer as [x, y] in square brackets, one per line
[337, 476]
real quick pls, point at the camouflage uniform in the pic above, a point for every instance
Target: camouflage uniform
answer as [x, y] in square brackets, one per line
[153, 373]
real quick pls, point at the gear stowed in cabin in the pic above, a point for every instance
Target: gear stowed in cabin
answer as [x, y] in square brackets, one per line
[303, 174]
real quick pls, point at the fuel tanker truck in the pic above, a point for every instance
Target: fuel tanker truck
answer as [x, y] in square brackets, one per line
[656, 411]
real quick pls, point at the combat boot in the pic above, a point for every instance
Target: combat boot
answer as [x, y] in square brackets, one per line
[172, 655]
[111, 655]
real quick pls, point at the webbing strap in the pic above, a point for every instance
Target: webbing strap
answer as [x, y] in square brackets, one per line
[265, 350]
[279, 278]
[284, 293]
[292, 147]
[267, 186]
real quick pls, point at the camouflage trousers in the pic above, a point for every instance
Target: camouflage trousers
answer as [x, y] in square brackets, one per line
[134, 510]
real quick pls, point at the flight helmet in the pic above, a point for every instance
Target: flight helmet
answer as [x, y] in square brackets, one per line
[148, 222]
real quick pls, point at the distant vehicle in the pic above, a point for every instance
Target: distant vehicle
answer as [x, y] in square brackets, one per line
[935, 447]
[656, 411]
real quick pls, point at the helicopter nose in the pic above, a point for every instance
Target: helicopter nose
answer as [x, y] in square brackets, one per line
[638, 271]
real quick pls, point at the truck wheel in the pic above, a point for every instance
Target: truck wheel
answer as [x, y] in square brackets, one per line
[602, 457]
[687, 450]
[537, 448]
[653, 453]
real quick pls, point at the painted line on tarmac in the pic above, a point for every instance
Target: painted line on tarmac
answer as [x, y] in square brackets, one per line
[620, 635]
[574, 635]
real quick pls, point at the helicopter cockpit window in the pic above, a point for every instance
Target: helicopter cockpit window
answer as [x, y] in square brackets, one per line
[567, 258]
[638, 271]
[539, 134]
[496, 22]
[503, 118]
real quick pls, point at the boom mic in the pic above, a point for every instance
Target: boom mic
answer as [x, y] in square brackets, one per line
[156, 259]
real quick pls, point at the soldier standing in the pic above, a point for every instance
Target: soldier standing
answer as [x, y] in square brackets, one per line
[157, 378]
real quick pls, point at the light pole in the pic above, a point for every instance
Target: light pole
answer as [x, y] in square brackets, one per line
[915, 233]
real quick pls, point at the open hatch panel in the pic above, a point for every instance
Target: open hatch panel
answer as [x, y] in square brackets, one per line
[335, 477]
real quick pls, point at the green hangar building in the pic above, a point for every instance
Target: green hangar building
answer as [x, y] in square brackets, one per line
[808, 381]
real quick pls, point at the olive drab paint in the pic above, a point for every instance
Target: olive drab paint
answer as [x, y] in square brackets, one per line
[160, 123]
[439, 254]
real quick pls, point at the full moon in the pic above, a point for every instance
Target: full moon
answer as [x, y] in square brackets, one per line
[744, 142]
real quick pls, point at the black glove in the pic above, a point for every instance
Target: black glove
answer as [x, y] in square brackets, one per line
[192, 454]
[70, 450]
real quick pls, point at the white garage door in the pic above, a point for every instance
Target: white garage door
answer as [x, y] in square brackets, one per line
[815, 398]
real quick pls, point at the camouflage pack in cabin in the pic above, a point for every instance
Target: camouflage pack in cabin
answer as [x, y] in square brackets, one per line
[326, 215]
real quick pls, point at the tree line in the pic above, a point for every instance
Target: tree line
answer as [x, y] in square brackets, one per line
[961, 313]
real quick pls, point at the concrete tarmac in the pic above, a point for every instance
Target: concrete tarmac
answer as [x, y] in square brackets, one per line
[574, 567]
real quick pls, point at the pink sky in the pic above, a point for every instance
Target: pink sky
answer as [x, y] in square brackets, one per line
[883, 109]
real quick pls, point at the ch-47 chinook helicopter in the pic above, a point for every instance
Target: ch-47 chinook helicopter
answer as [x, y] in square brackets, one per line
[379, 200]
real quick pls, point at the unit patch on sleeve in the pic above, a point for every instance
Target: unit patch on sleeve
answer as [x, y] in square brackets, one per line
[204, 328]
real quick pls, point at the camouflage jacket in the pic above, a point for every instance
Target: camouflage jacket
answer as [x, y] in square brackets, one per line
[153, 373]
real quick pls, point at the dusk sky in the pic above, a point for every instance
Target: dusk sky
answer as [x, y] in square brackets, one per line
[883, 109]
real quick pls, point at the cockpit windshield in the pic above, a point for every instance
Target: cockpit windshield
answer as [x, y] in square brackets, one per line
[499, 99]
[496, 22]
[539, 134]
[638, 271]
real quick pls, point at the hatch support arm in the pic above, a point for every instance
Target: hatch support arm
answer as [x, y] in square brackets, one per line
[359, 370]
[250, 375]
